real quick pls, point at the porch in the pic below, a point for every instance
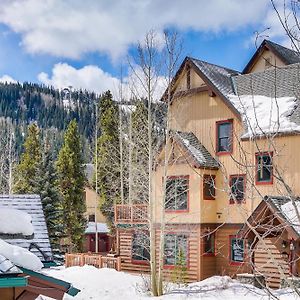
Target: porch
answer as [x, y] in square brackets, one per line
[131, 214]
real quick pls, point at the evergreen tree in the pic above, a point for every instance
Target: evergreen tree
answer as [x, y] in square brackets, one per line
[71, 181]
[51, 200]
[108, 156]
[28, 169]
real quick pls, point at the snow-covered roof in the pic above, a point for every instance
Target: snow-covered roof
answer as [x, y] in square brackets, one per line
[101, 228]
[30, 204]
[265, 115]
[273, 94]
[193, 147]
[7, 267]
[15, 222]
[20, 257]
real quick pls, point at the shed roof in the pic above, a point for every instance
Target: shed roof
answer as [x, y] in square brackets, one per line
[32, 205]
[200, 155]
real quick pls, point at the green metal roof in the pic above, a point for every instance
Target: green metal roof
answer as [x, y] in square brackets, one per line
[8, 281]
[70, 290]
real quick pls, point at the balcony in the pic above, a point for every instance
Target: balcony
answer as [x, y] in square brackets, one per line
[131, 214]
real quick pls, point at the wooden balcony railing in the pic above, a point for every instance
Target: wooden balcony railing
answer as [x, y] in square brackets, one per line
[131, 213]
[96, 260]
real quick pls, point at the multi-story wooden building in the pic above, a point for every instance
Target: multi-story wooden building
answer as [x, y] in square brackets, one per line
[233, 168]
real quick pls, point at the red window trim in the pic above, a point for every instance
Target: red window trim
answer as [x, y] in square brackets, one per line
[170, 211]
[187, 250]
[209, 254]
[270, 153]
[231, 262]
[217, 137]
[135, 261]
[203, 185]
[231, 201]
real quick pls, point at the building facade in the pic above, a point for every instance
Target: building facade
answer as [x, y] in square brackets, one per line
[233, 142]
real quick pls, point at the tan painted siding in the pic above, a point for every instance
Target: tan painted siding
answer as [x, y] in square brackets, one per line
[91, 200]
[260, 64]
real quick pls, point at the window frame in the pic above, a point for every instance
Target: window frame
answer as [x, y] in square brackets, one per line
[264, 182]
[139, 261]
[234, 262]
[174, 177]
[204, 182]
[218, 123]
[214, 244]
[231, 200]
[187, 261]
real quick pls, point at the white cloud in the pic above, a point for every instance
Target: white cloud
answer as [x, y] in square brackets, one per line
[93, 78]
[7, 78]
[70, 28]
[90, 77]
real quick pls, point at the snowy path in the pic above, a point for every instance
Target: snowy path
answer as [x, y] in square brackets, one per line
[108, 284]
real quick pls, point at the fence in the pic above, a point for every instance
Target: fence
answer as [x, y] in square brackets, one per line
[96, 260]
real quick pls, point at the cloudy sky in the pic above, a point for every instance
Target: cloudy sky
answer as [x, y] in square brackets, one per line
[83, 43]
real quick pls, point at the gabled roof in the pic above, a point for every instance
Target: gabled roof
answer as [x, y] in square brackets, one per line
[288, 56]
[280, 209]
[32, 205]
[195, 150]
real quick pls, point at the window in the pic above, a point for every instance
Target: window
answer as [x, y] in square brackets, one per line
[209, 244]
[209, 190]
[92, 218]
[264, 168]
[236, 250]
[237, 188]
[177, 193]
[140, 247]
[224, 137]
[175, 251]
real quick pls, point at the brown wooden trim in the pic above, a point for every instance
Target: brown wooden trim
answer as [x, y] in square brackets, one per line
[189, 92]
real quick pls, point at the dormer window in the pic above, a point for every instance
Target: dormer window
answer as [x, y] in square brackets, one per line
[224, 137]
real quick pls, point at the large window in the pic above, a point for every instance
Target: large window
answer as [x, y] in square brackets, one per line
[224, 137]
[209, 244]
[209, 187]
[264, 168]
[237, 249]
[237, 188]
[177, 193]
[140, 247]
[176, 250]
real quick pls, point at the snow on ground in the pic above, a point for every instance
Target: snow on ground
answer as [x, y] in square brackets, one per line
[14, 221]
[108, 284]
[265, 114]
[20, 257]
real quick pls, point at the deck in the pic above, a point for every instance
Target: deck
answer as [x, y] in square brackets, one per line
[131, 214]
[92, 259]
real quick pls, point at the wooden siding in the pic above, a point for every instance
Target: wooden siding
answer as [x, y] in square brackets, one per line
[259, 64]
[271, 266]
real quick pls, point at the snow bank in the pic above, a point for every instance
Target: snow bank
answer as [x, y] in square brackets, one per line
[20, 256]
[108, 284]
[14, 221]
[264, 115]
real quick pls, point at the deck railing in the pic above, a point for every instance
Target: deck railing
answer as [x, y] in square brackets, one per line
[96, 260]
[131, 213]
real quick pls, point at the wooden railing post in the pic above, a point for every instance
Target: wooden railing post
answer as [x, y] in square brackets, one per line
[118, 266]
[81, 260]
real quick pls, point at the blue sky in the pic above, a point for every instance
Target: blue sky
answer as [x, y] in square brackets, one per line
[83, 43]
